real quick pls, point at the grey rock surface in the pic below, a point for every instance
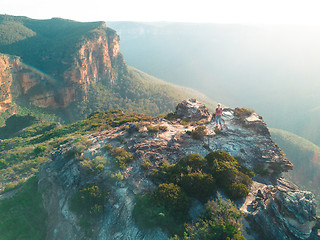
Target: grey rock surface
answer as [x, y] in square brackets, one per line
[192, 110]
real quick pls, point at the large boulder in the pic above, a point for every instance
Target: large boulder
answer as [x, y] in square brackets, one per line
[192, 110]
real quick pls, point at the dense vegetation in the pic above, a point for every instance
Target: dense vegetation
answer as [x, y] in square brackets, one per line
[219, 221]
[22, 154]
[192, 177]
[23, 216]
[305, 157]
[88, 203]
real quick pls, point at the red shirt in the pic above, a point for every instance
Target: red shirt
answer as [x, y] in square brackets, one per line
[219, 112]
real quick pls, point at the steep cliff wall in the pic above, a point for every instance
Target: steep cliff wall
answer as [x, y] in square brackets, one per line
[5, 83]
[96, 58]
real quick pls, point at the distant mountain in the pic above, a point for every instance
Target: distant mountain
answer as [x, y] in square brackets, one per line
[72, 69]
[305, 157]
[271, 69]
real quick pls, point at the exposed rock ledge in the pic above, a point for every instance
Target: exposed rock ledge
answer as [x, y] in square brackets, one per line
[276, 208]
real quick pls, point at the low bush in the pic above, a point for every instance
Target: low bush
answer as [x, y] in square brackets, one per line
[171, 116]
[198, 185]
[236, 190]
[3, 164]
[153, 129]
[243, 112]
[121, 157]
[147, 164]
[172, 198]
[89, 201]
[193, 161]
[199, 132]
[220, 221]
[117, 176]
[149, 215]
[93, 166]
[39, 149]
[228, 174]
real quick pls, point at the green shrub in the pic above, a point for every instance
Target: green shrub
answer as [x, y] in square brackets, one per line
[39, 149]
[72, 153]
[246, 171]
[199, 132]
[117, 176]
[89, 201]
[237, 190]
[121, 157]
[153, 129]
[106, 147]
[147, 164]
[198, 185]
[222, 165]
[220, 221]
[171, 116]
[193, 161]
[149, 215]
[172, 198]
[230, 176]
[93, 166]
[3, 164]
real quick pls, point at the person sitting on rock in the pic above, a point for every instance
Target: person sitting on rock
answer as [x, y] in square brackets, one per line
[218, 115]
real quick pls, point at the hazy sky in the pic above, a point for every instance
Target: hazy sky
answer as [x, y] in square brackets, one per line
[214, 11]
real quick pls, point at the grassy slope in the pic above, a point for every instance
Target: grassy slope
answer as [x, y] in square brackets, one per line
[305, 157]
[23, 216]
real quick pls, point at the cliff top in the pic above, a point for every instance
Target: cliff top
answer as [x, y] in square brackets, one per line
[126, 161]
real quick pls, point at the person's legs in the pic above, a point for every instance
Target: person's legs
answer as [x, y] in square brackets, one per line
[218, 121]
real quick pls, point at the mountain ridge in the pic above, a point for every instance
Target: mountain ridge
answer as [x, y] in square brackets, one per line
[62, 65]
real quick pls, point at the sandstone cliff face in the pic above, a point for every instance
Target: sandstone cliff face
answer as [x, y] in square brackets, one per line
[96, 59]
[5, 83]
[276, 209]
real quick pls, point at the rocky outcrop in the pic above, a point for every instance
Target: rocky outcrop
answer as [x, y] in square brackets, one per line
[281, 211]
[275, 208]
[192, 110]
[95, 59]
